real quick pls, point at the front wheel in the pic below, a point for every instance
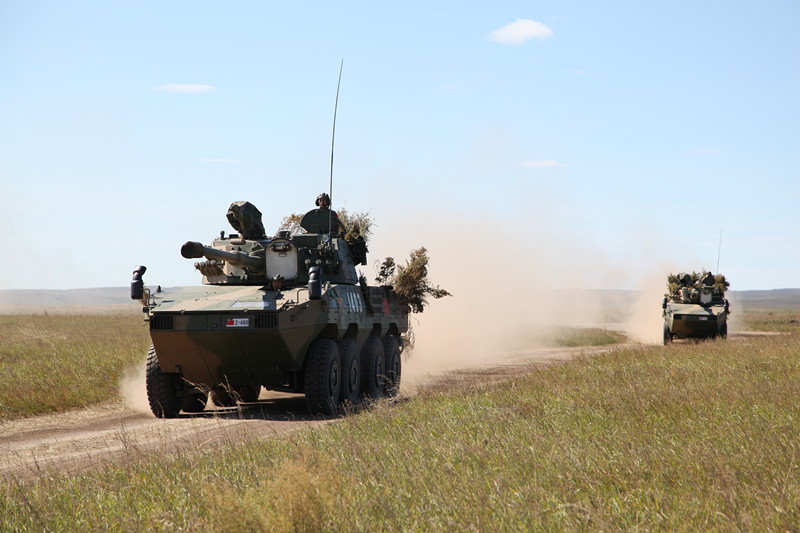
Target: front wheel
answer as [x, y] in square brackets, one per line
[323, 377]
[667, 334]
[161, 388]
[723, 331]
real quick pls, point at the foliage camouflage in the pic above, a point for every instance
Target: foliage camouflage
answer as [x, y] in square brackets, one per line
[410, 282]
[674, 283]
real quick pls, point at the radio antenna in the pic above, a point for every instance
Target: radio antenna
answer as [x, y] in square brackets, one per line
[333, 140]
[719, 250]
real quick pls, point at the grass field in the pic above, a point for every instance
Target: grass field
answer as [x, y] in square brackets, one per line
[57, 362]
[693, 436]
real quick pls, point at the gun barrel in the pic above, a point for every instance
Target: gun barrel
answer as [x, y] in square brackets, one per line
[195, 250]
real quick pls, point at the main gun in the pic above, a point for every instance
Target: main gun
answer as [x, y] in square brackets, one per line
[195, 250]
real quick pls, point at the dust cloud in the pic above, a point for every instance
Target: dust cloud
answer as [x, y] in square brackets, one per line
[511, 287]
[133, 390]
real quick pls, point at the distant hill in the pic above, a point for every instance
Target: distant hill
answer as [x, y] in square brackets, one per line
[101, 300]
[773, 299]
[15, 300]
[101, 296]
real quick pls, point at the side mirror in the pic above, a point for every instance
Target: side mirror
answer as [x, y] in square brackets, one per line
[137, 283]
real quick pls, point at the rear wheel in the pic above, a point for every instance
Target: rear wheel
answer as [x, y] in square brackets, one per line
[162, 388]
[323, 377]
[373, 368]
[223, 396]
[393, 365]
[351, 372]
[667, 334]
[194, 400]
[248, 393]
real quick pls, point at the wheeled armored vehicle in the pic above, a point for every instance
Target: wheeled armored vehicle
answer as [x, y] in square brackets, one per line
[287, 313]
[695, 307]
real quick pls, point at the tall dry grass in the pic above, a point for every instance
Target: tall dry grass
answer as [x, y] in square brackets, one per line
[693, 436]
[57, 362]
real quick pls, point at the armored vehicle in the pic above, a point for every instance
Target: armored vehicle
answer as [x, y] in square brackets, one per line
[695, 306]
[288, 313]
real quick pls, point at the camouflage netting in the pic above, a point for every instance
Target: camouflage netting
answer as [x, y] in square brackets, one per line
[695, 280]
[410, 282]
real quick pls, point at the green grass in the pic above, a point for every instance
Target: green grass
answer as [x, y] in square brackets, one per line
[575, 337]
[688, 437]
[767, 320]
[57, 362]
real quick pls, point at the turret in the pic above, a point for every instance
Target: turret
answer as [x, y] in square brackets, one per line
[250, 258]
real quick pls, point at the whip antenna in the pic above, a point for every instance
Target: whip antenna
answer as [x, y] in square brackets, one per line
[333, 139]
[719, 250]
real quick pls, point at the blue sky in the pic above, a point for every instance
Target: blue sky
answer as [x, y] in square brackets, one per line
[612, 141]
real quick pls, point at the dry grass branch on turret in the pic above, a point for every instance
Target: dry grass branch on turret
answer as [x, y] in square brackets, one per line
[291, 223]
[356, 224]
[410, 281]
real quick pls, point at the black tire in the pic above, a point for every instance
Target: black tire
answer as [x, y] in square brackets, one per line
[323, 377]
[248, 393]
[723, 331]
[393, 364]
[667, 334]
[194, 400]
[161, 388]
[351, 373]
[373, 369]
[223, 396]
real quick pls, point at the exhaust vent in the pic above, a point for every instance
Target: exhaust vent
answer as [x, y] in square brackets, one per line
[161, 323]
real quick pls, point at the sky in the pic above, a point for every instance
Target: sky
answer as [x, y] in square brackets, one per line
[573, 144]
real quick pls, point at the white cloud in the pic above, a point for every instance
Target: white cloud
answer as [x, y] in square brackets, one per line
[707, 151]
[185, 88]
[543, 163]
[218, 160]
[519, 31]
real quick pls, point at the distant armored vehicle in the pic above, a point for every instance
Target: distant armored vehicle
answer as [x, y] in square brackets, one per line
[288, 313]
[695, 306]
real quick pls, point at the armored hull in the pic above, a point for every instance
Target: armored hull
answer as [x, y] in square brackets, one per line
[686, 321]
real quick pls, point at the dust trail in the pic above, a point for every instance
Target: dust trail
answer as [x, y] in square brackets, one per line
[507, 287]
[645, 319]
[132, 389]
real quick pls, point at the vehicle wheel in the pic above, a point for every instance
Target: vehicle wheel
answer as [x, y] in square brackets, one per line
[161, 388]
[248, 393]
[223, 396]
[373, 369]
[723, 331]
[393, 364]
[323, 377]
[667, 334]
[194, 400]
[351, 372]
